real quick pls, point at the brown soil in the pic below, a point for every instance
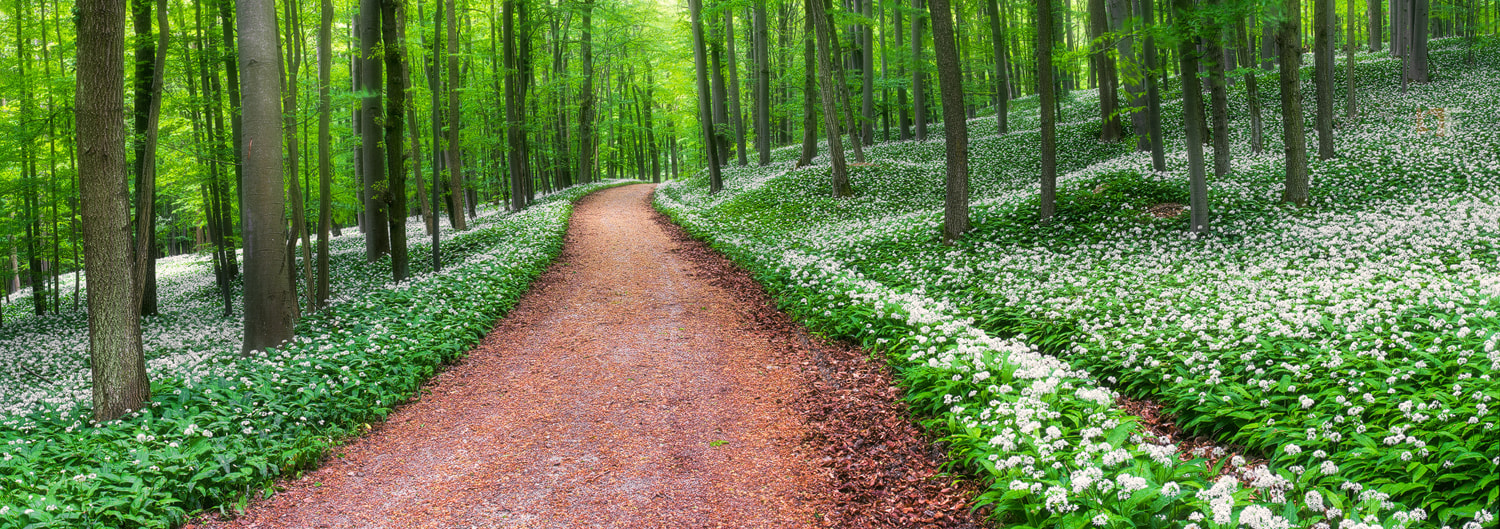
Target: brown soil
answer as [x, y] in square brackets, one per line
[644, 382]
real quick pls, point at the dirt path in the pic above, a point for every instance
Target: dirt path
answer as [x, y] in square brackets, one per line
[628, 389]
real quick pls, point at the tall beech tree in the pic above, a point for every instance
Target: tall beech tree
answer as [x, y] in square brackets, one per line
[269, 312]
[372, 148]
[956, 129]
[817, 16]
[1104, 68]
[1002, 80]
[1047, 98]
[115, 357]
[1187, 55]
[1323, 35]
[705, 115]
[1293, 134]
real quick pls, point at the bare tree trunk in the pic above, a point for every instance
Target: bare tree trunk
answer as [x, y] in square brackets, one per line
[268, 312]
[456, 188]
[1252, 91]
[736, 118]
[956, 129]
[115, 358]
[818, 17]
[1350, 111]
[918, 90]
[393, 41]
[1002, 81]
[1218, 94]
[1047, 98]
[1292, 135]
[371, 115]
[1323, 34]
[1187, 54]
[1416, 65]
[1153, 95]
[867, 76]
[705, 114]
[1105, 68]
[1373, 10]
[762, 88]
[809, 96]
[150, 67]
[325, 155]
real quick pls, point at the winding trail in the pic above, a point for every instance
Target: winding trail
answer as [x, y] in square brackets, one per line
[623, 391]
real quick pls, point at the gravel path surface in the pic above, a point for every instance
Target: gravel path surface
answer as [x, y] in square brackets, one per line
[630, 389]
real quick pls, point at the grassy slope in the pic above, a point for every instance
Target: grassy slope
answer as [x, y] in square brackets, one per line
[1282, 322]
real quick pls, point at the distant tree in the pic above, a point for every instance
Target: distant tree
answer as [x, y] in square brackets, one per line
[1349, 106]
[1213, 45]
[1252, 89]
[956, 129]
[456, 188]
[918, 75]
[115, 358]
[736, 119]
[586, 167]
[762, 85]
[1153, 139]
[325, 149]
[149, 70]
[809, 96]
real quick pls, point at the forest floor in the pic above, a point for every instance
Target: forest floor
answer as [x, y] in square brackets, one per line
[644, 382]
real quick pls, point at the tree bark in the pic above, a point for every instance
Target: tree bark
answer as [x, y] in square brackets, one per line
[1047, 98]
[150, 67]
[1289, 41]
[918, 90]
[762, 88]
[809, 97]
[867, 76]
[325, 154]
[268, 312]
[1349, 106]
[393, 41]
[1002, 81]
[1218, 94]
[1416, 65]
[818, 16]
[736, 118]
[705, 115]
[1323, 65]
[956, 128]
[1373, 10]
[115, 358]
[1105, 68]
[1187, 54]
[1153, 95]
[456, 188]
[1252, 92]
[586, 97]
[372, 150]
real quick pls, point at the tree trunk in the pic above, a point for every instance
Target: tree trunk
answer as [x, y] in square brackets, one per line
[705, 115]
[1373, 10]
[1002, 82]
[1349, 106]
[393, 41]
[902, 118]
[268, 312]
[586, 98]
[1293, 136]
[918, 91]
[292, 124]
[115, 358]
[818, 17]
[956, 129]
[149, 70]
[736, 118]
[1047, 96]
[372, 150]
[867, 75]
[1105, 67]
[1187, 54]
[325, 154]
[1218, 94]
[1153, 96]
[1323, 35]
[809, 97]
[762, 90]
[1416, 65]
[456, 188]
[1252, 92]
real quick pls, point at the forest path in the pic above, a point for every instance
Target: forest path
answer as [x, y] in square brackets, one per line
[625, 390]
